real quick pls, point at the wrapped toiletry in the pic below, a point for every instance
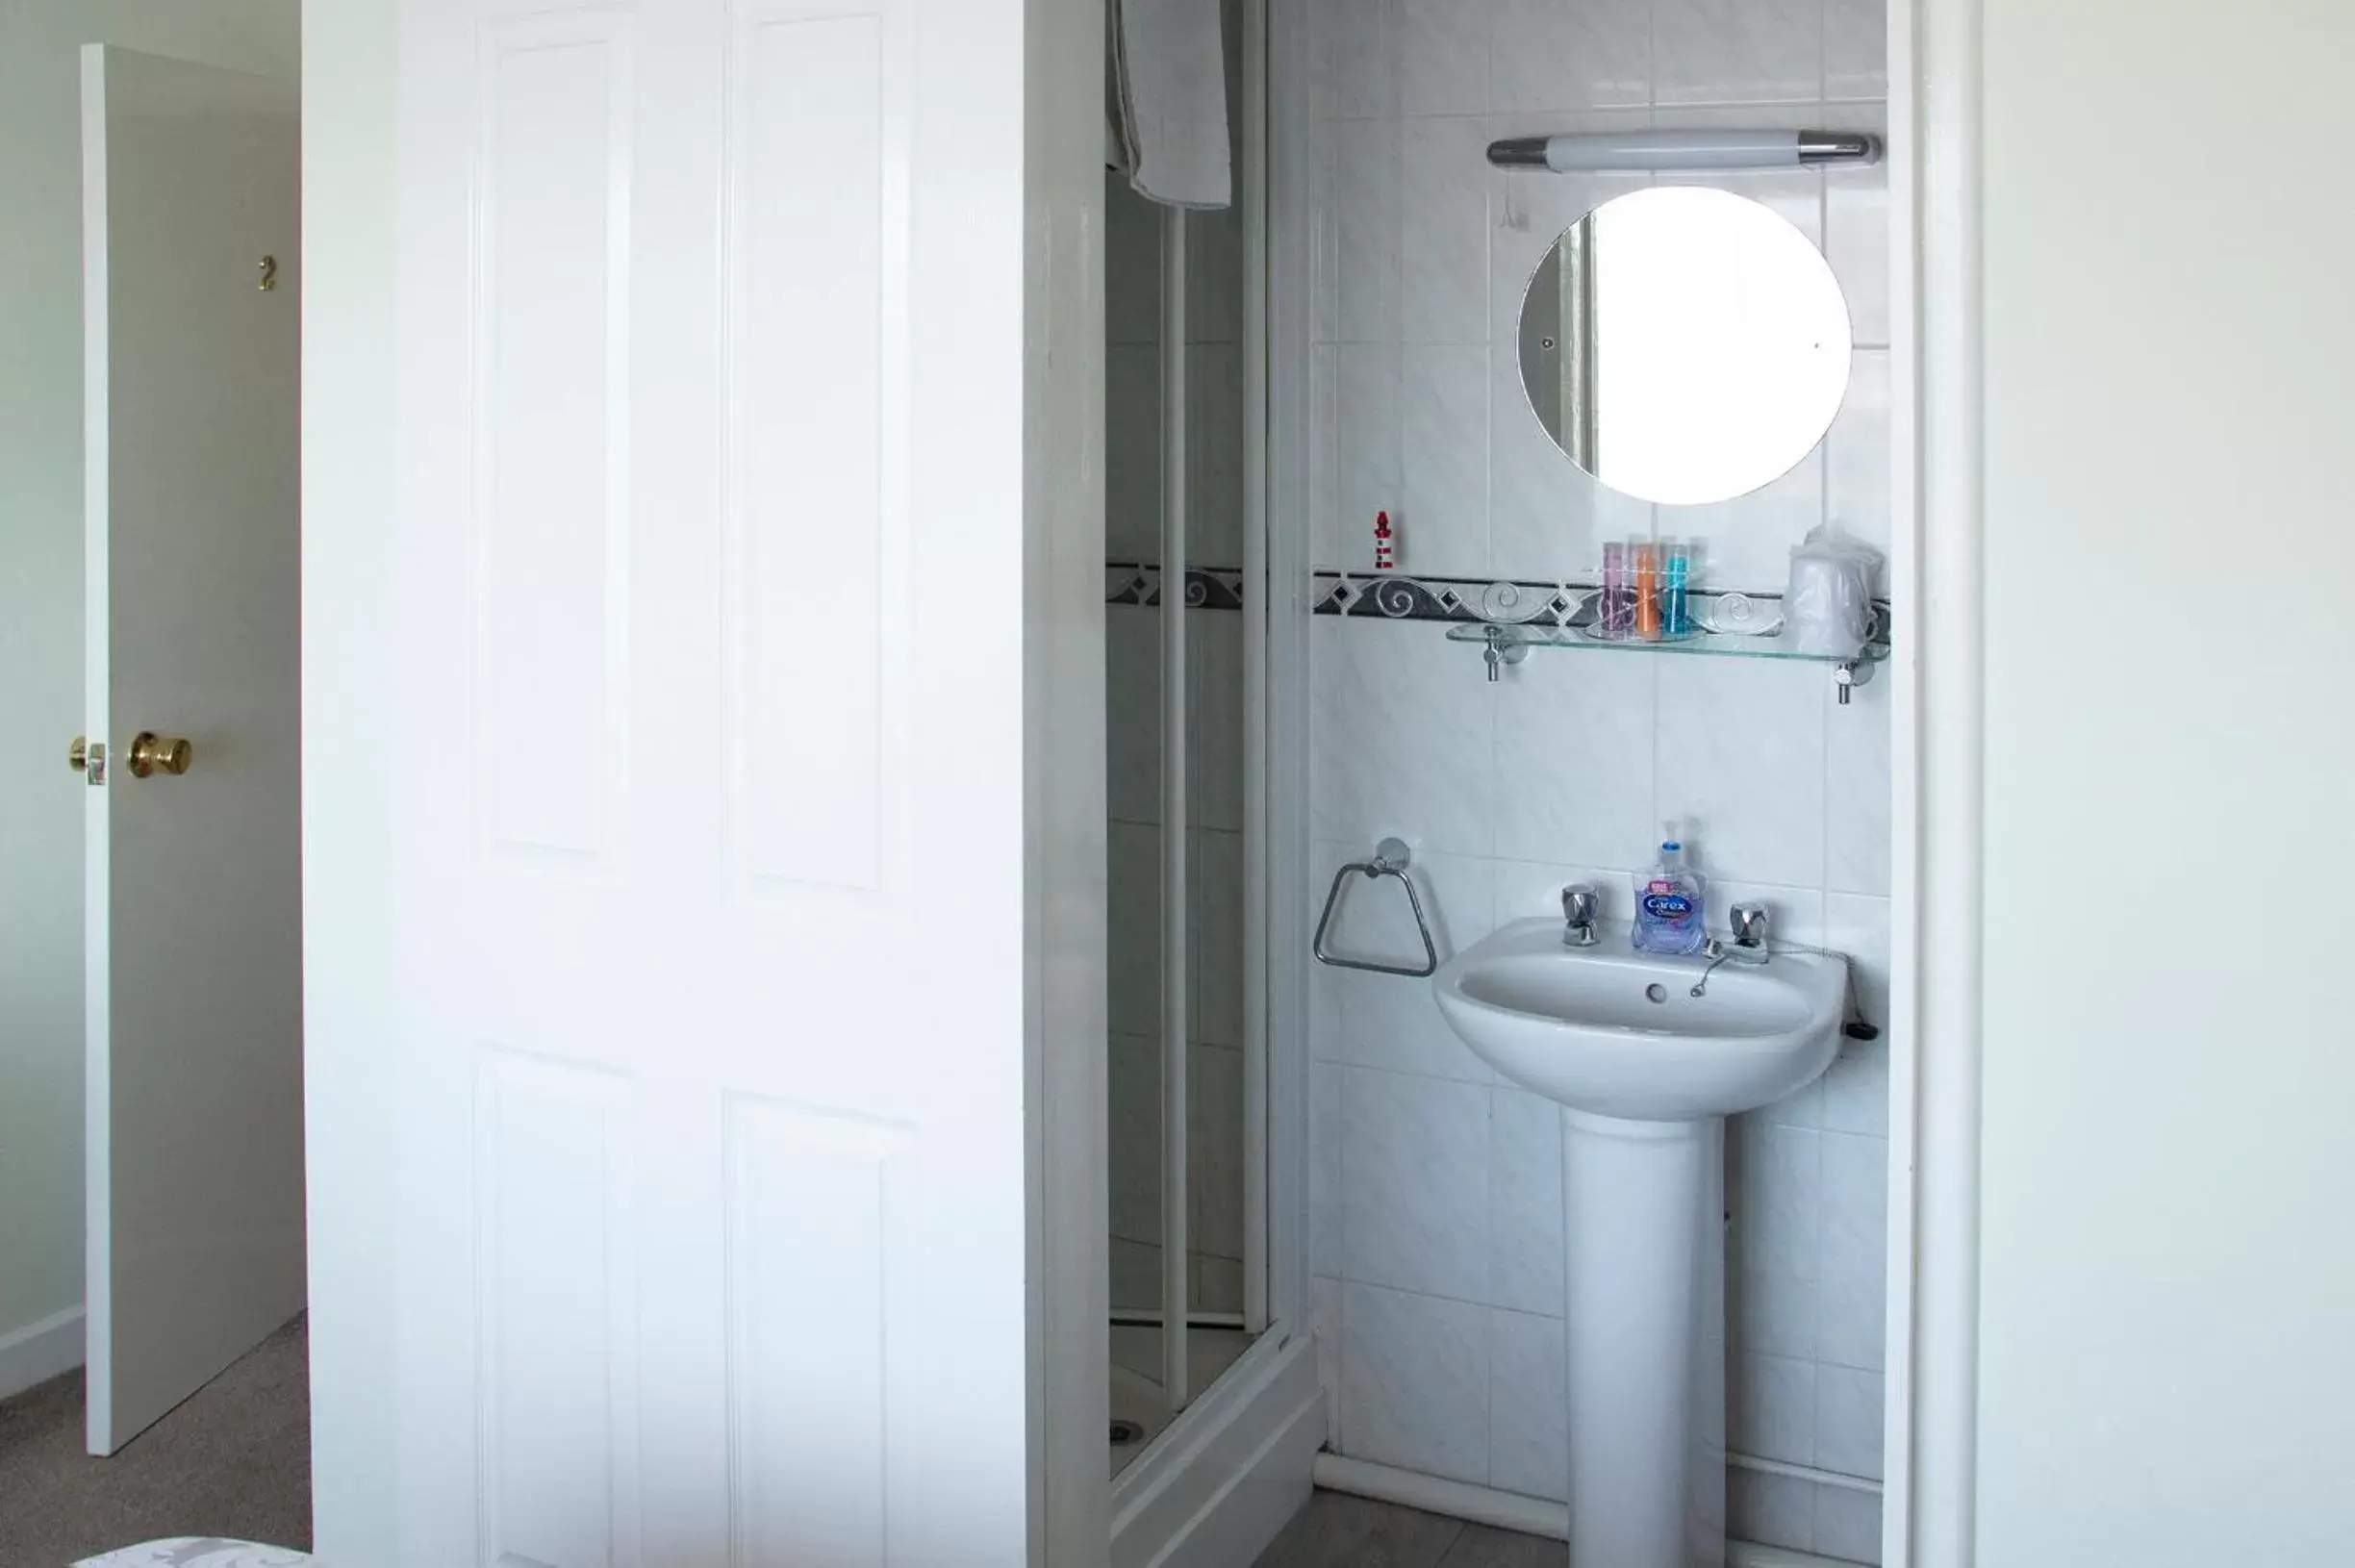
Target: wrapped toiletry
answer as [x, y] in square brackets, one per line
[1829, 605]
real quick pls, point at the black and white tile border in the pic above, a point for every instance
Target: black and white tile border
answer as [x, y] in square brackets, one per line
[1485, 601]
[1394, 596]
[1206, 587]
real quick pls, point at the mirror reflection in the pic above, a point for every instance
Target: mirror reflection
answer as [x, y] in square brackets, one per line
[1684, 344]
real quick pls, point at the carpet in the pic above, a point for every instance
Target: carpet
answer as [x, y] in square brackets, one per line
[233, 1460]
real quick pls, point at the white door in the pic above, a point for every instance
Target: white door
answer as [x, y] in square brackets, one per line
[681, 679]
[190, 180]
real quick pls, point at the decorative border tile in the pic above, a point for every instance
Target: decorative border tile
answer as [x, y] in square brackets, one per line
[1394, 596]
[1482, 602]
[1206, 587]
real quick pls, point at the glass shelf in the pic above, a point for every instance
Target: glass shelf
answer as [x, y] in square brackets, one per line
[1709, 644]
[1510, 643]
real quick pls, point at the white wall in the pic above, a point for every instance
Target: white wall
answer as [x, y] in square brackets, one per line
[2169, 1280]
[40, 595]
[1437, 1245]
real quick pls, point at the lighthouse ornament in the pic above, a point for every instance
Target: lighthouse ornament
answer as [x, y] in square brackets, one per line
[1385, 543]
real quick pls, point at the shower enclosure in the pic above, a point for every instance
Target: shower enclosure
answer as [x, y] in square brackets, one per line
[1185, 607]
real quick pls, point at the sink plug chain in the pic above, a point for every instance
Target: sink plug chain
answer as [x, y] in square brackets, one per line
[1719, 954]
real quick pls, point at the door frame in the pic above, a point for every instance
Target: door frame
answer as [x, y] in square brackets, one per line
[1937, 742]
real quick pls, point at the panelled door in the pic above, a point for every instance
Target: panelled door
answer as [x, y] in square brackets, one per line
[702, 779]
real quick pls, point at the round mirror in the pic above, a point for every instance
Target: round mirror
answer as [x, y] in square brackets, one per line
[1684, 344]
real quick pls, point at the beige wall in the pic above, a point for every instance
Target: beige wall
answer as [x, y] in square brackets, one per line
[40, 595]
[2168, 1331]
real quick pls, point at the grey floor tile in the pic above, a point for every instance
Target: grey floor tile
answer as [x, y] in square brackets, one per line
[1480, 1547]
[1337, 1530]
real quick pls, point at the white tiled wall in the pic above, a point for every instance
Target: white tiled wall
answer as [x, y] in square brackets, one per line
[1437, 1227]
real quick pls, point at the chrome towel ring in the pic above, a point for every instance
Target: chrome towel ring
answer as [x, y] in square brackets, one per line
[1391, 858]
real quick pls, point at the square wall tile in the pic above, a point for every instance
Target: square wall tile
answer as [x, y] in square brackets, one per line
[1324, 1323]
[1133, 1093]
[1402, 739]
[1528, 1413]
[1444, 177]
[1326, 549]
[1852, 1283]
[1848, 1524]
[1350, 59]
[1544, 54]
[1858, 926]
[1738, 51]
[1856, 48]
[1366, 436]
[1848, 1419]
[1855, 1089]
[1137, 1275]
[1214, 275]
[1525, 1205]
[1218, 1284]
[1132, 452]
[1857, 455]
[1770, 1510]
[1856, 242]
[1214, 455]
[1776, 1197]
[1132, 263]
[1324, 1169]
[1574, 760]
[1133, 931]
[1770, 1408]
[1414, 1382]
[1365, 199]
[1214, 1150]
[1216, 704]
[1132, 713]
[1439, 56]
[1442, 517]
[1414, 1183]
[1858, 795]
[1741, 767]
[1214, 911]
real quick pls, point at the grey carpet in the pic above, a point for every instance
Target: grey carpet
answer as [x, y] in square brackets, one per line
[233, 1460]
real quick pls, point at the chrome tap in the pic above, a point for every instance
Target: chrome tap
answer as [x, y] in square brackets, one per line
[1749, 921]
[1581, 914]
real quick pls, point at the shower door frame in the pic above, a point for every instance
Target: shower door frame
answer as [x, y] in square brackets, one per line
[1263, 1420]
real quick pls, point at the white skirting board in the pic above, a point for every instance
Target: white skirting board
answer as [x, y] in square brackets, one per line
[41, 1350]
[1508, 1510]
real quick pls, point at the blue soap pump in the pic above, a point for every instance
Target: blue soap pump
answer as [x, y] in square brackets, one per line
[1668, 903]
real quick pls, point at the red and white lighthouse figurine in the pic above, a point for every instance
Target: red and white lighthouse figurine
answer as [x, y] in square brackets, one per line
[1385, 543]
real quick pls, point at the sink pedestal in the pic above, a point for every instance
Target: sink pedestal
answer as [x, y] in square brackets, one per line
[1643, 1206]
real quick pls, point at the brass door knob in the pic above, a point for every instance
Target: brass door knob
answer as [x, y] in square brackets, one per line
[77, 755]
[152, 753]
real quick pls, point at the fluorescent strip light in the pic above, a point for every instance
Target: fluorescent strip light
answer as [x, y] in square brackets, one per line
[1641, 150]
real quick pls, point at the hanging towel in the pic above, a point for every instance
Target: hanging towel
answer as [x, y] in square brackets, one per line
[1167, 91]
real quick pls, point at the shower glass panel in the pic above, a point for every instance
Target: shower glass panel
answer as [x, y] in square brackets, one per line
[1208, 589]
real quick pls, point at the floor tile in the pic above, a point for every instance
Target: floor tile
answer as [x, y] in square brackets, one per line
[1337, 1530]
[1480, 1547]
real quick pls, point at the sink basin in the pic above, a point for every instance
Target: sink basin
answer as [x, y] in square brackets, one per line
[1580, 1025]
[1645, 1072]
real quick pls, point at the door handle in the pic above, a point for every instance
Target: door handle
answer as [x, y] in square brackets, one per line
[152, 753]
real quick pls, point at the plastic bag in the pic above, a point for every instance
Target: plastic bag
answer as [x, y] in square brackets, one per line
[1830, 602]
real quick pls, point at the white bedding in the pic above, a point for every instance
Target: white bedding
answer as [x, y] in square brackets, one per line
[200, 1551]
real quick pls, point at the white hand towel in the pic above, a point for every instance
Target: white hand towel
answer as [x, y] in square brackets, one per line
[1169, 91]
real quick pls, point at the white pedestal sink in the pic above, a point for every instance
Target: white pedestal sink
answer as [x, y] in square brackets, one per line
[1646, 1074]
